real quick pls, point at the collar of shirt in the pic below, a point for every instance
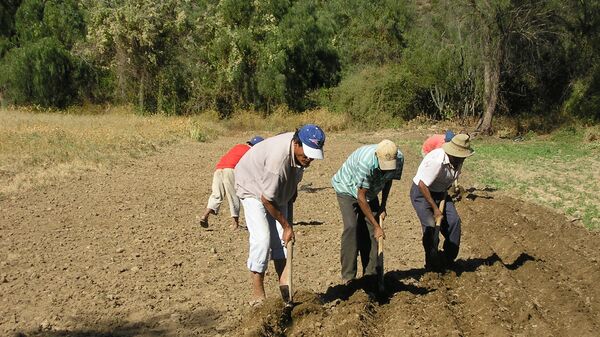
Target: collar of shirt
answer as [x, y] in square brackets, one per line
[293, 162]
[446, 162]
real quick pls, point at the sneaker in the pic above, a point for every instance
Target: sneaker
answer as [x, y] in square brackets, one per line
[202, 222]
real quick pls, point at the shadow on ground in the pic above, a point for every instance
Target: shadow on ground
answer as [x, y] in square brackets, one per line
[405, 280]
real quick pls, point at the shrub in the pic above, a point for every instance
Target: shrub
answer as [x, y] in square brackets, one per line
[40, 73]
[584, 101]
[377, 95]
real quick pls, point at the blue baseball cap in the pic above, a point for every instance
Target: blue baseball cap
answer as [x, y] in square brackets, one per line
[313, 139]
[449, 136]
[255, 140]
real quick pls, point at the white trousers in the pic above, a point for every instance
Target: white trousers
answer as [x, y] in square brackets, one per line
[265, 235]
[223, 187]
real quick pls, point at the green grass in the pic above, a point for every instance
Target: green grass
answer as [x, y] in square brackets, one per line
[561, 170]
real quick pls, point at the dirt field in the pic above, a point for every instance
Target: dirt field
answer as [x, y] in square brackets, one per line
[117, 253]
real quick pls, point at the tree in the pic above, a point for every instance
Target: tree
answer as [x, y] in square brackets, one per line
[369, 32]
[490, 34]
[139, 41]
[40, 72]
[580, 21]
[254, 55]
[298, 57]
[39, 68]
[8, 8]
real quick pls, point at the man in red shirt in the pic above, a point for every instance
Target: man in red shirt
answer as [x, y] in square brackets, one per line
[436, 142]
[223, 184]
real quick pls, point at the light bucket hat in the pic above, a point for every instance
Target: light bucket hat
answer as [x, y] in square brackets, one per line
[386, 153]
[459, 146]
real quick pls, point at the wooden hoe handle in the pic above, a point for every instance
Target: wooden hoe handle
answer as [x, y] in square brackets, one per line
[442, 204]
[380, 271]
[289, 264]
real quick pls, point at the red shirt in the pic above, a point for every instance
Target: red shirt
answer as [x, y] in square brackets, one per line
[433, 142]
[231, 158]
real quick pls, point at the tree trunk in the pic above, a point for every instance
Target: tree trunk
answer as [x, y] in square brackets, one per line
[141, 92]
[491, 89]
[159, 97]
[121, 71]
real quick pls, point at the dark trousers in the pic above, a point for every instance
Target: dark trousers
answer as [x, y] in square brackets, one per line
[357, 237]
[450, 228]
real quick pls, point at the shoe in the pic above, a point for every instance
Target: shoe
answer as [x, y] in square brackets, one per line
[202, 222]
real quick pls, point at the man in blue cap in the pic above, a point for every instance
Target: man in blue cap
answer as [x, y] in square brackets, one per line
[266, 180]
[223, 184]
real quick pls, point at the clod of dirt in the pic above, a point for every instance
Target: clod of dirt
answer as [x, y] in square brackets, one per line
[266, 320]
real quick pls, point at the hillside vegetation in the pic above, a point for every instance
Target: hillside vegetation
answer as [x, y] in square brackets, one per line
[381, 62]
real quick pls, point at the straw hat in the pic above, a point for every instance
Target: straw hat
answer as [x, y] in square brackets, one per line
[459, 146]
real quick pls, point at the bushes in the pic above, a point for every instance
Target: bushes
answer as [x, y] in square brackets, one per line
[379, 95]
[379, 61]
[584, 101]
[39, 73]
[38, 67]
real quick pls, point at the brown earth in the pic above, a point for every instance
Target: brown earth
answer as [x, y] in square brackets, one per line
[117, 253]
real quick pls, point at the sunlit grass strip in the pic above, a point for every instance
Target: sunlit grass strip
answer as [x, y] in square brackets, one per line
[39, 146]
[559, 171]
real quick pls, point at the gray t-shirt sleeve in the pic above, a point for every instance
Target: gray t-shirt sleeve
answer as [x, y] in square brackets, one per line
[270, 184]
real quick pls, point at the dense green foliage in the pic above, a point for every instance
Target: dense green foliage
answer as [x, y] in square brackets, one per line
[379, 61]
[38, 67]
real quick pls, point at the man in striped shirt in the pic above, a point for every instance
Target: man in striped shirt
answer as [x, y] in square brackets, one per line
[367, 171]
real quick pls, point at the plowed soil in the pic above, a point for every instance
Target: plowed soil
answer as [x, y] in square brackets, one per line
[117, 253]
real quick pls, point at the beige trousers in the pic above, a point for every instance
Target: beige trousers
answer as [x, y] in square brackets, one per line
[223, 187]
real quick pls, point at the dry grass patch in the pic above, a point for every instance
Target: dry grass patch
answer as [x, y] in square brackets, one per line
[38, 147]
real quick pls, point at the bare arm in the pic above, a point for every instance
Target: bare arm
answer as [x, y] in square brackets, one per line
[384, 196]
[366, 209]
[288, 231]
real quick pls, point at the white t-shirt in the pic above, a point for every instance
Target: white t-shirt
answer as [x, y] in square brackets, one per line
[436, 171]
